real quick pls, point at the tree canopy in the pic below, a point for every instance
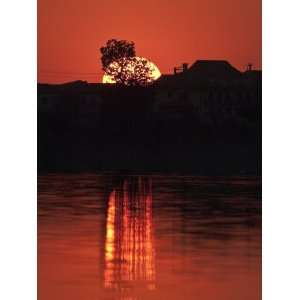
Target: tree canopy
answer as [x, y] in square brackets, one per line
[119, 61]
[115, 50]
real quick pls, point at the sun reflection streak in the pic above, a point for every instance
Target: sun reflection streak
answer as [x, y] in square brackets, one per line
[129, 244]
[110, 237]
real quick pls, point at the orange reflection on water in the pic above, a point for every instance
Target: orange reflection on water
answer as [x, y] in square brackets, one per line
[110, 237]
[129, 247]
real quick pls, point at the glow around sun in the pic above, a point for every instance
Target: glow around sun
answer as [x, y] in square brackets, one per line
[154, 72]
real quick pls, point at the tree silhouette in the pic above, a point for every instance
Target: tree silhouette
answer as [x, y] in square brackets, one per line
[115, 50]
[120, 63]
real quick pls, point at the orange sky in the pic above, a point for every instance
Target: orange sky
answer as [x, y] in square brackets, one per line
[70, 33]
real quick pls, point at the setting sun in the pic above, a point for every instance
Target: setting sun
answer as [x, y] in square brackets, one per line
[154, 71]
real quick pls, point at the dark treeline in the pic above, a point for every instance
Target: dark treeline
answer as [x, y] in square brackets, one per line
[209, 129]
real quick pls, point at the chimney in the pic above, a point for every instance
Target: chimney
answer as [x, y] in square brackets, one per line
[249, 67]
[184, 67]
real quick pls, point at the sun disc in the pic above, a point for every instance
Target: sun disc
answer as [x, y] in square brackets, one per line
[154, 72]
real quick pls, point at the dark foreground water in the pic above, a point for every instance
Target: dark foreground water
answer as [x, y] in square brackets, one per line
[107, 236]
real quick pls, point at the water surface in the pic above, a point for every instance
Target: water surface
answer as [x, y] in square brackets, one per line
[108, 236]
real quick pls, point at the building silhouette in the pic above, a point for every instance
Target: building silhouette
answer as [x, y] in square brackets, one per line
[165, 126]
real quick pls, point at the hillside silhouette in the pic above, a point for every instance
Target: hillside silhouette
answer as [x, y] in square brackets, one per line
[205, 119]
